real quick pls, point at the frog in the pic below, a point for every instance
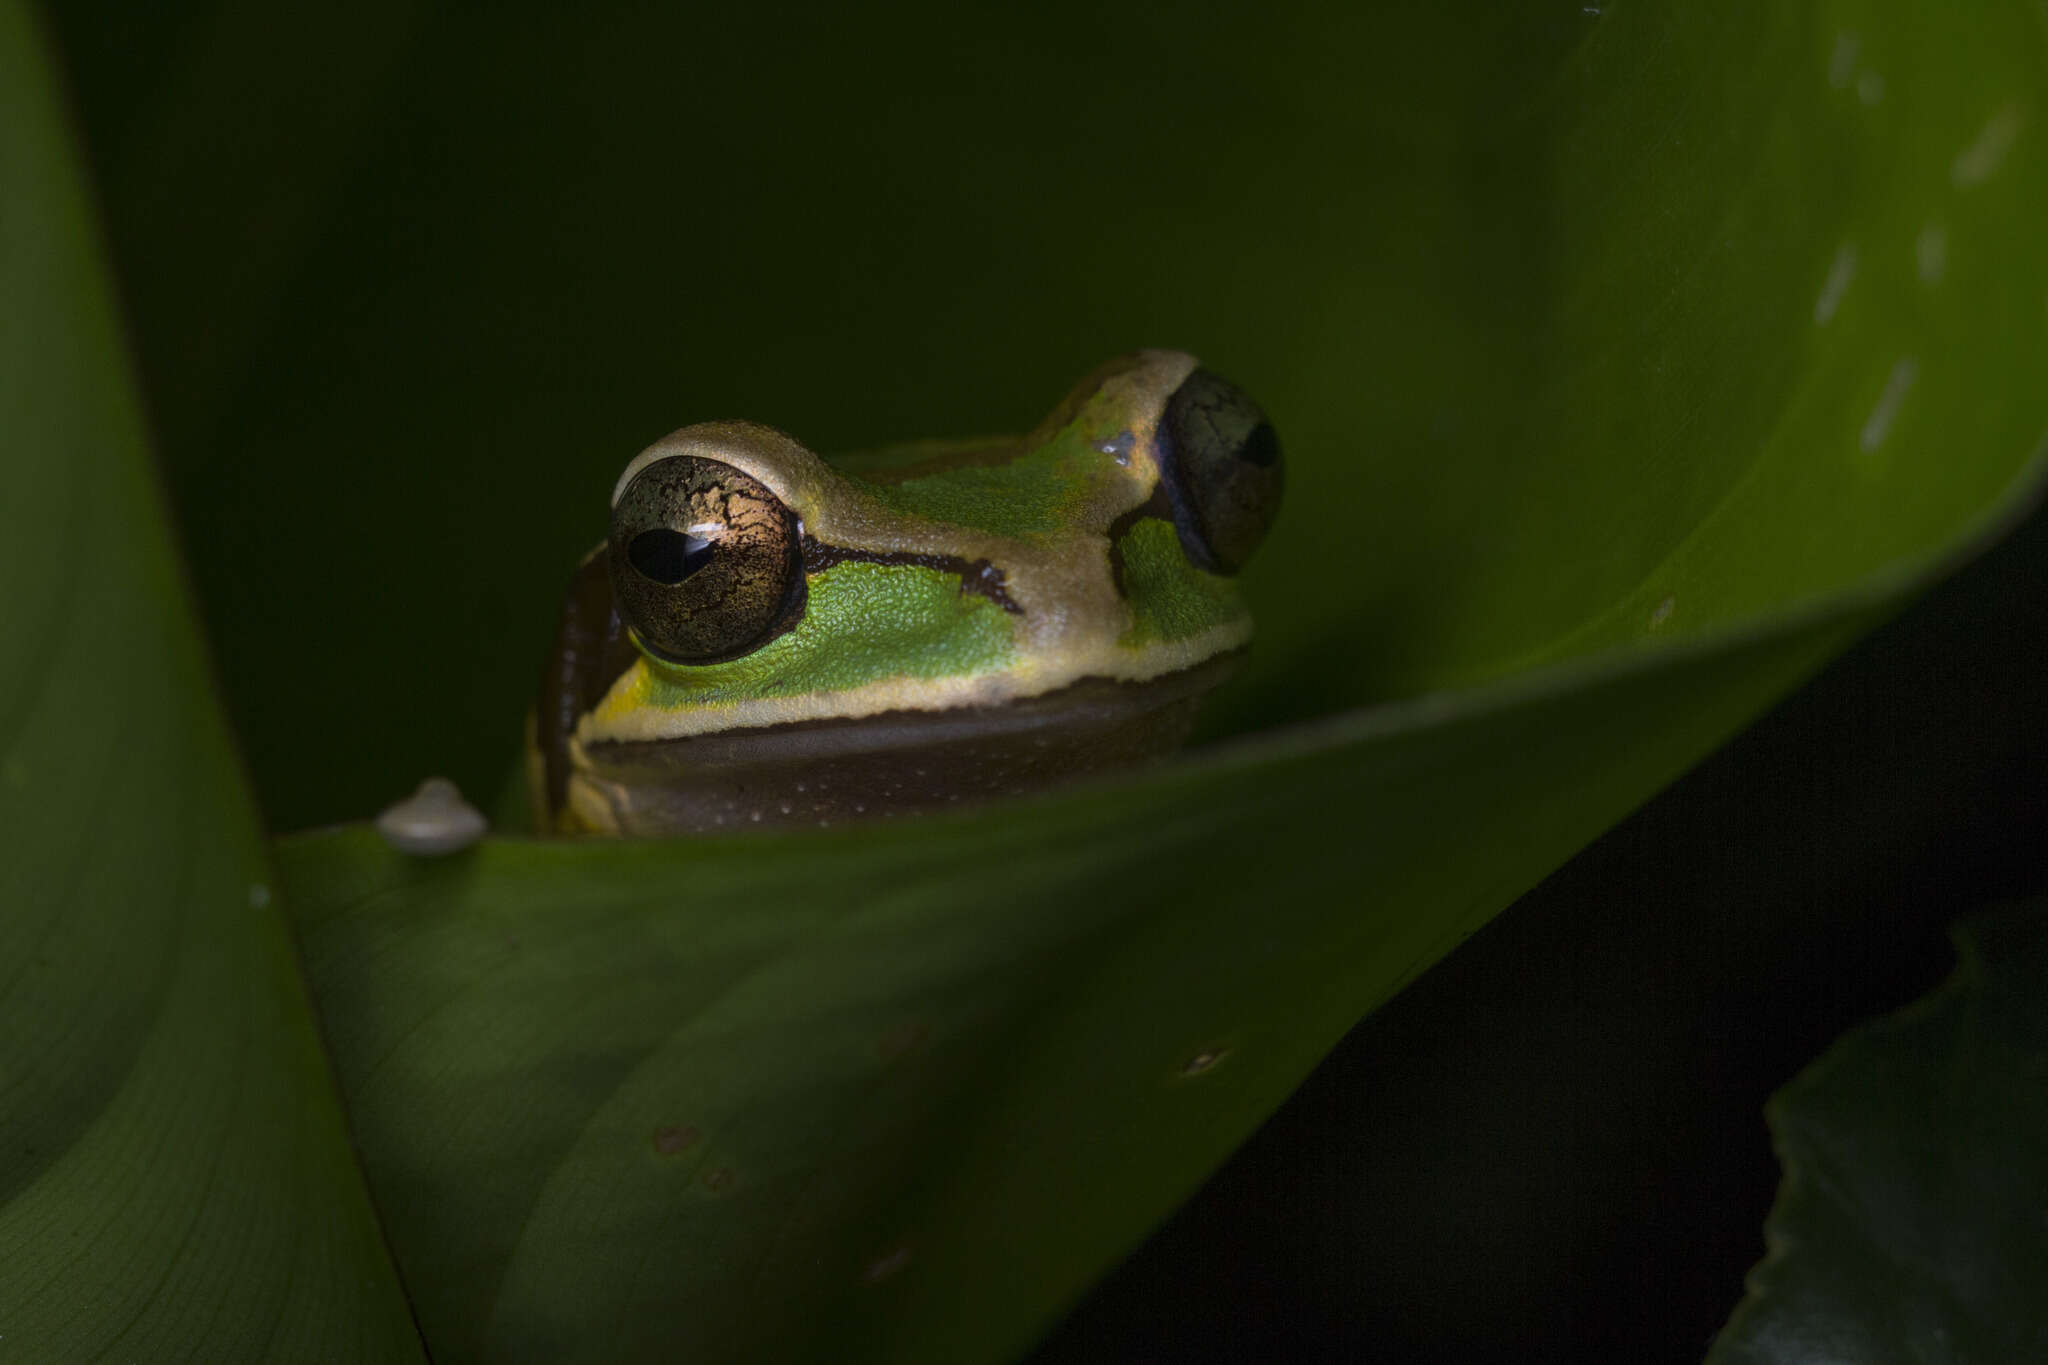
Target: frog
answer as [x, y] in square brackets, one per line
[767, 638]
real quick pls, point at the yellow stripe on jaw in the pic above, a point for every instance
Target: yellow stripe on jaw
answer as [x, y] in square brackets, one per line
[626, 714]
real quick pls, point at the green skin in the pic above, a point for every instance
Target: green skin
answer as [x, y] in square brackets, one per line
[1070, 523]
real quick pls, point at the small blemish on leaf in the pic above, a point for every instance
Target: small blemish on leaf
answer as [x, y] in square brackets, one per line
[1841, 273]
[1979, 161]
[1204, 1061]
[671, 1138]
[719, 1179]
[1842, 60]
[1662, 612]
[909, 1034]
[1897, 385]
[259, 896]
[883, 1267]
[1930, 253]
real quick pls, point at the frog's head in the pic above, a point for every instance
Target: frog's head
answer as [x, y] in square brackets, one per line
[748, 586]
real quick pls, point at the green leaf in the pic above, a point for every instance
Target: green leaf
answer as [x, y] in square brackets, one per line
[901, 1093]
[175, 1182]
[1909, 1224]
[1631, 359]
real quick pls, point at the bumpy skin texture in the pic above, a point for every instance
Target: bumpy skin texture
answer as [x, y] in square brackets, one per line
[1030, 596]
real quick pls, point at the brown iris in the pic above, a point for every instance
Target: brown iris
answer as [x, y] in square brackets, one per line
[706, 563]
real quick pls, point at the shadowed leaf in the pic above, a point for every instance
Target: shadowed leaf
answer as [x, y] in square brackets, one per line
[175, 1182]
[1909, 1225]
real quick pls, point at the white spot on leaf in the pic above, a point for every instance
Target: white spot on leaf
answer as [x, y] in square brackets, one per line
[1897, 385]
[1979, 161]
[1930, 253]
[1842, 61]
[434, 820]
[1841, 273]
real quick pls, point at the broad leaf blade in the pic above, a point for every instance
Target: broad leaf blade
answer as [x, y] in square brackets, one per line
[900, 1093]
[1908, 1227]
[1656, 347]
[175, 1178]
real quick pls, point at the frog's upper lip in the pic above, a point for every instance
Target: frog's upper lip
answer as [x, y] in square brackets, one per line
[834, 770]
[1090, 699]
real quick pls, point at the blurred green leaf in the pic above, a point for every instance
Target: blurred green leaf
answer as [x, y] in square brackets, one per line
[1909, 1225]
[175, 1181]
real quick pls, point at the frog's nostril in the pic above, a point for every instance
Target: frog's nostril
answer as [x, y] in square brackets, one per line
[668, 556]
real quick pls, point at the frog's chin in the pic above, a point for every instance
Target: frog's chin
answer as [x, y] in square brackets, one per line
[836, 770]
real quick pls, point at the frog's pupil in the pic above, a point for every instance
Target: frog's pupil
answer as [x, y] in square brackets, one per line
[1261, 447]
[668, 556]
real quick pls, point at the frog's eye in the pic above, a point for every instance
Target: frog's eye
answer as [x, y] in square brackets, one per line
[706, 563]
[1221, 463]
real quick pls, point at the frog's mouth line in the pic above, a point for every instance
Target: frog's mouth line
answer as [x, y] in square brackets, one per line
[1085, 702]
[618, 720]
[843, 769]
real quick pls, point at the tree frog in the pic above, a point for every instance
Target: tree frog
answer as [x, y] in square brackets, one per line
[768, 638]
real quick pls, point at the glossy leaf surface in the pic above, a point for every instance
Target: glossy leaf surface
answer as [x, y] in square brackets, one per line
[1908, 1227]
[1629, 363]
[175, 1180]
[897, 1094]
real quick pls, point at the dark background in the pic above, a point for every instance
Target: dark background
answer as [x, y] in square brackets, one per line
[378, 343]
